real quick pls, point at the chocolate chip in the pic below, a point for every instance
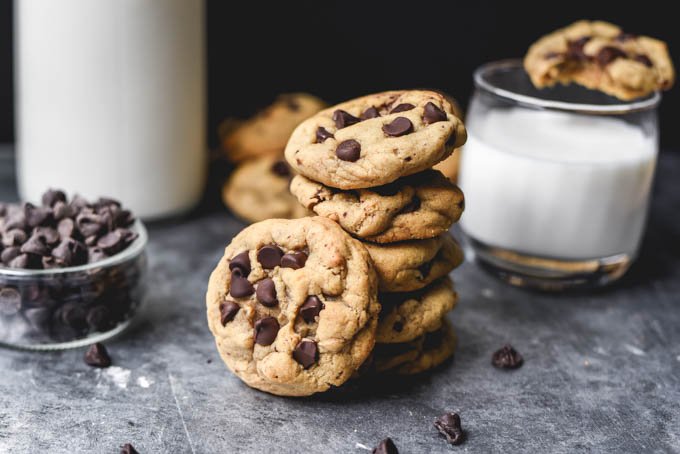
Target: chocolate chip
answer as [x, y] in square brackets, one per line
[79, 202]
[66, 228]
[451, 141]
[49, 263]
[269, 256]
[228, 311]
[61, 210]
[398, 326]
[240, 287]
[348, 150]
[111, 243]
[608, 54]
[400, 126]
[26, 261]
[411, 206]
[14, 237]
[310, 308]
[240, 264]
[343, 119]
[70, 253]
[575, 49]
[266, 293]
[99, 318]
[51, 196]
[73, 315]
[448, 425]
[306, 353]
[640, 58]
[507, 358]
[49, 235]
[15, 220]
[35, 245]
[36, 216]
[9, 254]
[295, 260]
[97, 356]
[425, 269]
[266, 330]
[108, 202]
[386, 446]
[322, 134]
[10, 301]
[433, 114]
[371, 112]
[402, 108]
[88, 223]
[127, 448]
[281, 169]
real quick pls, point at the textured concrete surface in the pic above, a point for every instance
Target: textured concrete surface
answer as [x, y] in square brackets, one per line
[601, 372]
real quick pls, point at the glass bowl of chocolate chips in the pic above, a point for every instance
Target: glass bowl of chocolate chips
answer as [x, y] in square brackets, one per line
[71, 271]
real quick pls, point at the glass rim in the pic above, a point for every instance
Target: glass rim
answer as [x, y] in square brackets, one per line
[132, 251]
[622, 107]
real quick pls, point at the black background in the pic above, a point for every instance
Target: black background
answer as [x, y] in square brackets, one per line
[339, 50]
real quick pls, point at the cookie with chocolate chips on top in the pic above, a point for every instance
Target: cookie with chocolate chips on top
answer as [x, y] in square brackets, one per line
[293, 306]
[375, 139]
[258, 190]
[419, 206]
[600, 56]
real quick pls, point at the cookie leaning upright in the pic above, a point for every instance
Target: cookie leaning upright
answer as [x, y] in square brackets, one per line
[292, 306]
[376, 139]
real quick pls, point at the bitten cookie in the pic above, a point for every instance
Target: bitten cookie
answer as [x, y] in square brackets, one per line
[258, 190]
[411, 265]
[376, 139]
[406, 316]
[420, 206]
[600, 56]
[266, 133]
[292, 306]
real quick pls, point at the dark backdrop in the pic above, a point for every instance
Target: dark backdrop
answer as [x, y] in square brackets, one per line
[339, 50]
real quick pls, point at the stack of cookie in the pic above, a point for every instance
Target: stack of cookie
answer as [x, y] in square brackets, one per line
[258, 187]
[367, 165]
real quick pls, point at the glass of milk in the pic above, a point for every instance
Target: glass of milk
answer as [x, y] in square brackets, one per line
[556, 181]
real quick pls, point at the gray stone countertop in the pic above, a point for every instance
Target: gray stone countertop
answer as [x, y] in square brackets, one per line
[601, 372]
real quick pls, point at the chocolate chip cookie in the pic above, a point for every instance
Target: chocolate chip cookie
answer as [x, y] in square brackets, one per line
[258, 190]
[376, 139]
[600, 56]
[293, 306]
[419, 206]
[406, 316]
[266, 133]
[411, 265]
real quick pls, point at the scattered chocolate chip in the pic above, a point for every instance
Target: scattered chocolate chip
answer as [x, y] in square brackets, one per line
[402, 108]
[575, 49]
[348, 150]
[310, 308]
[269, 256]
[14, 237]
[295, 260]
[97, 356]
[507, 358]
[371, 112]
[398, 326]
[281, 169]
[228, 311]
[127, 448]
[240, 264]
[266, 292]
[35, 245]
[400, 126]
[9, 254]
[386, 446]
[433, 114]
[266, 330]
[306, 353]
[240, 287]
[640, 58]
[10, 301]
[411, 206]
[448, 425]
[343, 119]
[608, 54]
[322, 134]
[52, 196]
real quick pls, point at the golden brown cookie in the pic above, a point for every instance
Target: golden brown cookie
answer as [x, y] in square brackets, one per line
[267, 133]
[293, 306]
[415, 207]
[258, 190]
[600, 56]
[376, 139]
[411, 265]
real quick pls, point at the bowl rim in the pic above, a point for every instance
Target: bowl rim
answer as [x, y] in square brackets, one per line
[623, 107]
[132, 251]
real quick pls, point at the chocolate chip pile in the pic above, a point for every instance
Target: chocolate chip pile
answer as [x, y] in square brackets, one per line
[44, 309]
[62, 233]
